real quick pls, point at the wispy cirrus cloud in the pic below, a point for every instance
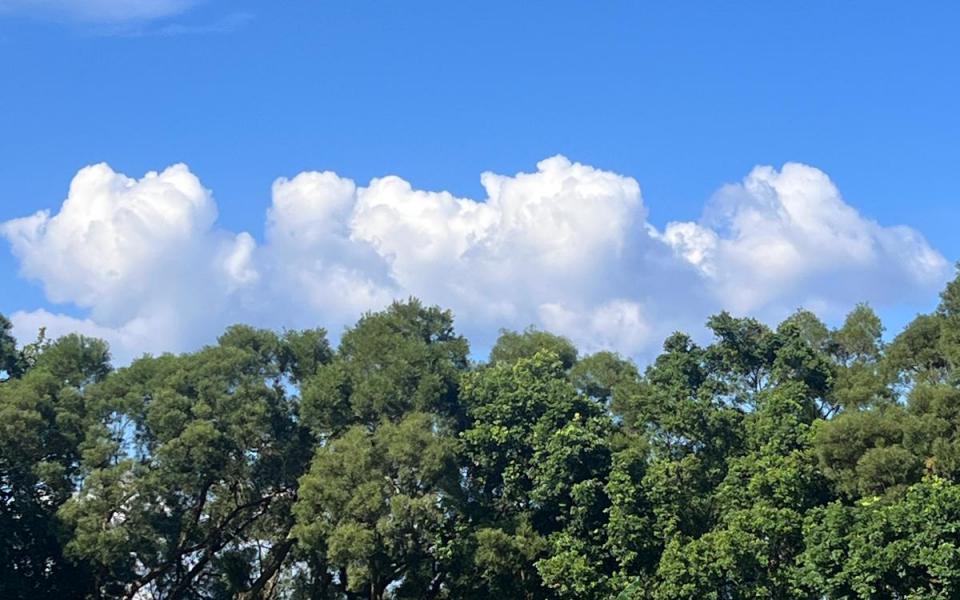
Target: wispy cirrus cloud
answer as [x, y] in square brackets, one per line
[128, 18]
[104, 12]
[226, 24]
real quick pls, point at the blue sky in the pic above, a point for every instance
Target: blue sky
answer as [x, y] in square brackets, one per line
[682, 97]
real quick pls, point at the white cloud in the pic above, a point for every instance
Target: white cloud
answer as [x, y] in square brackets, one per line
[126, 341]
[537, 237]
[788, 237]
[618, 324]
[109, 231]
[100, 11]
[567, 247]
[314, 266]
[140, 255]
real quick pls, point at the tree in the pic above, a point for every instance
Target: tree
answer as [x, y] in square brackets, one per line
[859, 379]
[948, 312]
[796, 462]
[10, 359]
[916, 355]
[693, 425]
[630, 535]
[743, 353]
[503, 564]
[752, 550]
[537, 454]
[406, 358]
[189, 472]
[377, 505]
[797, 360]
[42, 416]
[515, 411]
[600, 375]
[903, 547]
[512, 346]
[863, 454]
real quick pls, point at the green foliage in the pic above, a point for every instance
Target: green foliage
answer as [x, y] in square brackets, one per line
[949, 314]
[10, 359]
[42, 415]
[601, 375]
[862, 452]
[190, 463]
[798, 462]
[512, 346]
[629, 531]
[519, 414]
[376, 504]
[916, 355]
[750, 556]
[407, 358]
[859, 378]
[903, 547]
[743, 354]
[504, 562]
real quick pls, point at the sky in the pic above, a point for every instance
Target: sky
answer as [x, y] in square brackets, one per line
[611, 171]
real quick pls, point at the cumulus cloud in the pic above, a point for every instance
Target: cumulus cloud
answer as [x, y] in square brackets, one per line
[563, 247]
[126, 341]
[100, 11]
[537, 238]
[787, 236]
[617, 324]
[567, 247]
[141, 256]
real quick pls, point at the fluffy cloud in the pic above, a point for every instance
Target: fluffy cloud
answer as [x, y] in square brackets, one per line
[537, 238]
[788, 237]
[100, 11]
[141, 256]
[567, 247]
[126, 341]
[555, 247]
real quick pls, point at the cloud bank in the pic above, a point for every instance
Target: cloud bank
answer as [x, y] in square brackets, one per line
[568, 247]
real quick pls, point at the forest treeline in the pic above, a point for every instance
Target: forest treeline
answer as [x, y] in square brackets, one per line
[800, 462]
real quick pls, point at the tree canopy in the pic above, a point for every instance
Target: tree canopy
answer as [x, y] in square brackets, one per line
[794, 462]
